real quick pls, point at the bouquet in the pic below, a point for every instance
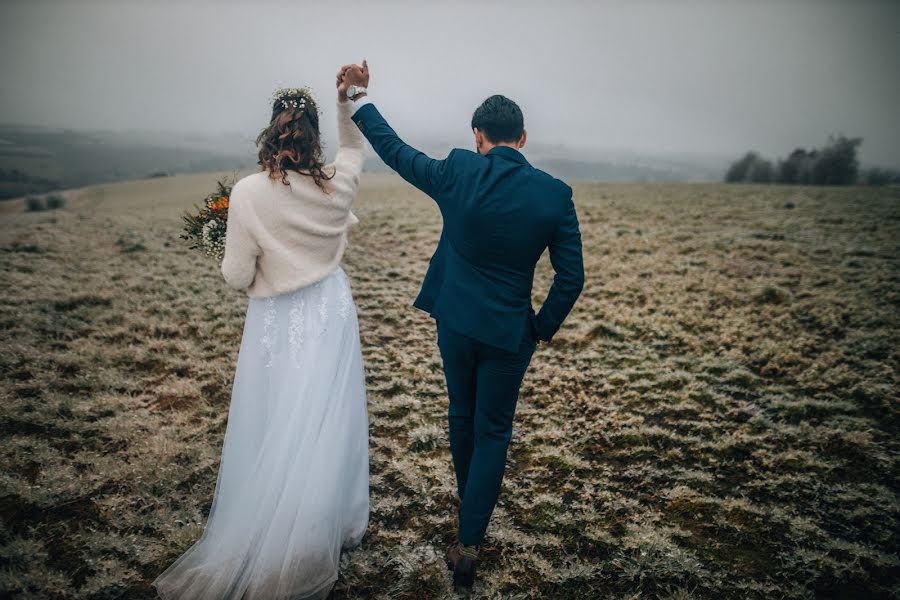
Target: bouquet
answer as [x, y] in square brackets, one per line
[205, 226]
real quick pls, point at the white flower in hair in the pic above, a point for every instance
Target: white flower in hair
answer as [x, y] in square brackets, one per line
[293, 97]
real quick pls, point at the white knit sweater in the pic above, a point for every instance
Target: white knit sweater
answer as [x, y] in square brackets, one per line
[282, 238]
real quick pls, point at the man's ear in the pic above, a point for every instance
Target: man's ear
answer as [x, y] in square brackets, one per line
[522, 139]
[479, 138]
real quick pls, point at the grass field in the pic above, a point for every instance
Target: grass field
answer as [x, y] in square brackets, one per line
[717, 419]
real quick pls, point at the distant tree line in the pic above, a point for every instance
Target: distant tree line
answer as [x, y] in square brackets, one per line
[834, 164]
[18, 176]
[15, 183]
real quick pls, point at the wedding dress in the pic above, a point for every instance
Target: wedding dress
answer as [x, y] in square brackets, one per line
[293, 482]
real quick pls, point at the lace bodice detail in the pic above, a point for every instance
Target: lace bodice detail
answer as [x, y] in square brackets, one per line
[295, 319]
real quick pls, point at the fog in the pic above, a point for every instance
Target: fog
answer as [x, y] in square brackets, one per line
[701, 78]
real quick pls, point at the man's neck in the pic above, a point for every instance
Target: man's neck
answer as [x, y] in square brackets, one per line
[512, 145]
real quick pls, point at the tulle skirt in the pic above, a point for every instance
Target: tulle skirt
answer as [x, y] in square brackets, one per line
[293, 483]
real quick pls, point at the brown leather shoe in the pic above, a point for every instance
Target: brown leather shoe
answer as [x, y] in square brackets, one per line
[462, 560]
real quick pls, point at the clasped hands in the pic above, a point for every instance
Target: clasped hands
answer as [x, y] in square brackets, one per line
[352, 75]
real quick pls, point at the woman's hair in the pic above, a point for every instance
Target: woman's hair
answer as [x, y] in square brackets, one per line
[291, 141]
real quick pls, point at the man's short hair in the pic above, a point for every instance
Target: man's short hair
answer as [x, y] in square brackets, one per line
[500, 119]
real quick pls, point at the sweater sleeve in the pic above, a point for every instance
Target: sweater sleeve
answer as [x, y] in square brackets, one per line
[351, 144]
[241, 249]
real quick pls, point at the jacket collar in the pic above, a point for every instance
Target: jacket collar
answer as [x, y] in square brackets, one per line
[508, 152]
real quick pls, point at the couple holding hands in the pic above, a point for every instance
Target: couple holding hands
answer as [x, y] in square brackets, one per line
[292, 488]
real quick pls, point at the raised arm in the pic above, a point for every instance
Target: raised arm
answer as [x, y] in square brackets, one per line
[416, 167]
[351, 144]
[567, 261]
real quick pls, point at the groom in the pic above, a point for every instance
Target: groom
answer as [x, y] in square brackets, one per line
[500, 214]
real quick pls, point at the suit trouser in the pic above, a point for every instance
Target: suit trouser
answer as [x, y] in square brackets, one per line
[483, 385]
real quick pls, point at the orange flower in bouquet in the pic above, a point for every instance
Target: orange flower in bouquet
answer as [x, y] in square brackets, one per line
[205, 227]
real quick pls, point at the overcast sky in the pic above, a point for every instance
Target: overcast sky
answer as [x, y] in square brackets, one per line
[714, 77]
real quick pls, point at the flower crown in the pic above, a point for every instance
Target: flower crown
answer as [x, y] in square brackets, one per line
[293, 97]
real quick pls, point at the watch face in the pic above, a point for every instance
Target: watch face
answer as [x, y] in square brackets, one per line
[351, 91]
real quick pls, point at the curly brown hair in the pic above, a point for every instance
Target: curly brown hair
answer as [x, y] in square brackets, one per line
[291, 142]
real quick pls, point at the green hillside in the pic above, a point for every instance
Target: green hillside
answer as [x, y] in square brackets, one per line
[35, 160]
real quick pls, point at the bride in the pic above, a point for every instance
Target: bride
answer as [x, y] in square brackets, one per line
[293, 481]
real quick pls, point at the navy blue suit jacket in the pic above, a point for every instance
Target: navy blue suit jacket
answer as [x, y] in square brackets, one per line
[500, 214]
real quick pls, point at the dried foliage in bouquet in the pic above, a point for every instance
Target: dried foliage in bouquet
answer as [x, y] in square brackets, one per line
[205, 226]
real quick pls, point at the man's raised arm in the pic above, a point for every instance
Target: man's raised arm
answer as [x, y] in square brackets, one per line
[426, 173]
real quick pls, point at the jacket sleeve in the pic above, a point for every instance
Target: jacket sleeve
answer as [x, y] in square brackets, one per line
[568, 263]
[428, 174]
[241, 248]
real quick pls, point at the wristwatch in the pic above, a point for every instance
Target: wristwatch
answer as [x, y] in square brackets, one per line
[355, 90]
